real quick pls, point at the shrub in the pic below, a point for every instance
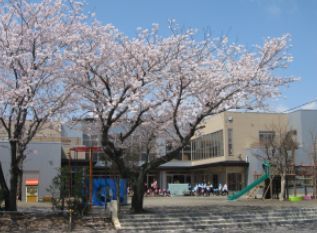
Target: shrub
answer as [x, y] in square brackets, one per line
[66, 192]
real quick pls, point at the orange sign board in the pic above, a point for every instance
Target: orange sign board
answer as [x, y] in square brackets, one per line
[32, 181]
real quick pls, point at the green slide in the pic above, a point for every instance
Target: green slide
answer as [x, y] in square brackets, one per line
[236, 195]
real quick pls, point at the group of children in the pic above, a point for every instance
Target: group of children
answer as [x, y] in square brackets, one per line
[203, 189]
[200, 189]
[154, 190]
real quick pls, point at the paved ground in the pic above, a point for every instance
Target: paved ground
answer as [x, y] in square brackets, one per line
[193, 202]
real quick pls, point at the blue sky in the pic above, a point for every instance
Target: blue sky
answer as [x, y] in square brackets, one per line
[248, 22]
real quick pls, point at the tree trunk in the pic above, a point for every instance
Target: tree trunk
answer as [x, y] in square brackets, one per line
[271, 187]
[13, 192]
[20, 155]
[138, 193]
[282, 193]
[295, 188]
[287, 188]
[13, 178]
[20, 183]
[4, 188]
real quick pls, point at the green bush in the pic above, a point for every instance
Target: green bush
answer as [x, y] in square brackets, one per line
[65, 196]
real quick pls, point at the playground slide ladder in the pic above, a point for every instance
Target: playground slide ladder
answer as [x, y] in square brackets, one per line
[236, 195]
[253, 192]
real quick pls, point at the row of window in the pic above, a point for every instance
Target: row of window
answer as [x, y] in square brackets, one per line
[211, 145]
[208, 146]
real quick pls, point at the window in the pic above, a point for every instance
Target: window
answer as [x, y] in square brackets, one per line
[266, 137]
[208, 146]
[234, 181]
[230, 145]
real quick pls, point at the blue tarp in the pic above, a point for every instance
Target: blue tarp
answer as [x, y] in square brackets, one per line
[104, 189]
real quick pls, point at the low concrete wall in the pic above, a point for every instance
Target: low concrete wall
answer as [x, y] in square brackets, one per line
[178, 189]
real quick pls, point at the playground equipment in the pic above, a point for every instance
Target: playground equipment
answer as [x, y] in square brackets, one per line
[105, 190]
[266, 166]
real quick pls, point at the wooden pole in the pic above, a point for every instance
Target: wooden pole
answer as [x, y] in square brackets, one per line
[90, 176]
[70, 175]
[294, 171]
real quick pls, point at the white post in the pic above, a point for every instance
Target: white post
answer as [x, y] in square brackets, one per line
[114, 214]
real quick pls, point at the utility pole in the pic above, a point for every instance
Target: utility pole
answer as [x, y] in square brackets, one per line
[90, 176]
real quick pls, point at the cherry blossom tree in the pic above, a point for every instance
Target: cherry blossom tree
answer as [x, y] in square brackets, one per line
[172, 83]
[34, 38]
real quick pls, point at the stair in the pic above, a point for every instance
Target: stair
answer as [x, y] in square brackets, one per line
[228, 219]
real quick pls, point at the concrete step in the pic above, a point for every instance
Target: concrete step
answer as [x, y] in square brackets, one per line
[187, 221]
[218, 210]
[175, 221]
[212, 221]
[213, 227]
[199, 215]
[178, 220]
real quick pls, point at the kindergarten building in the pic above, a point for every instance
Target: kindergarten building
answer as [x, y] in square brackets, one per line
[223, 152]
[218, 153]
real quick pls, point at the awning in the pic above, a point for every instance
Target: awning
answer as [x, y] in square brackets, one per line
[86, 149]
[179, 165]
[32, 181]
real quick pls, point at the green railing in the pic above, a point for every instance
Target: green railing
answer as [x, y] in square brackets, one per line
[266, 166]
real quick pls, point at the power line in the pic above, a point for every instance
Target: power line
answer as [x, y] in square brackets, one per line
[297, 107]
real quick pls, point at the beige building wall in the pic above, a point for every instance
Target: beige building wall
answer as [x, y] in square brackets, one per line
[49, 132]
[246, 127]
[212, 124]
[245, 131]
